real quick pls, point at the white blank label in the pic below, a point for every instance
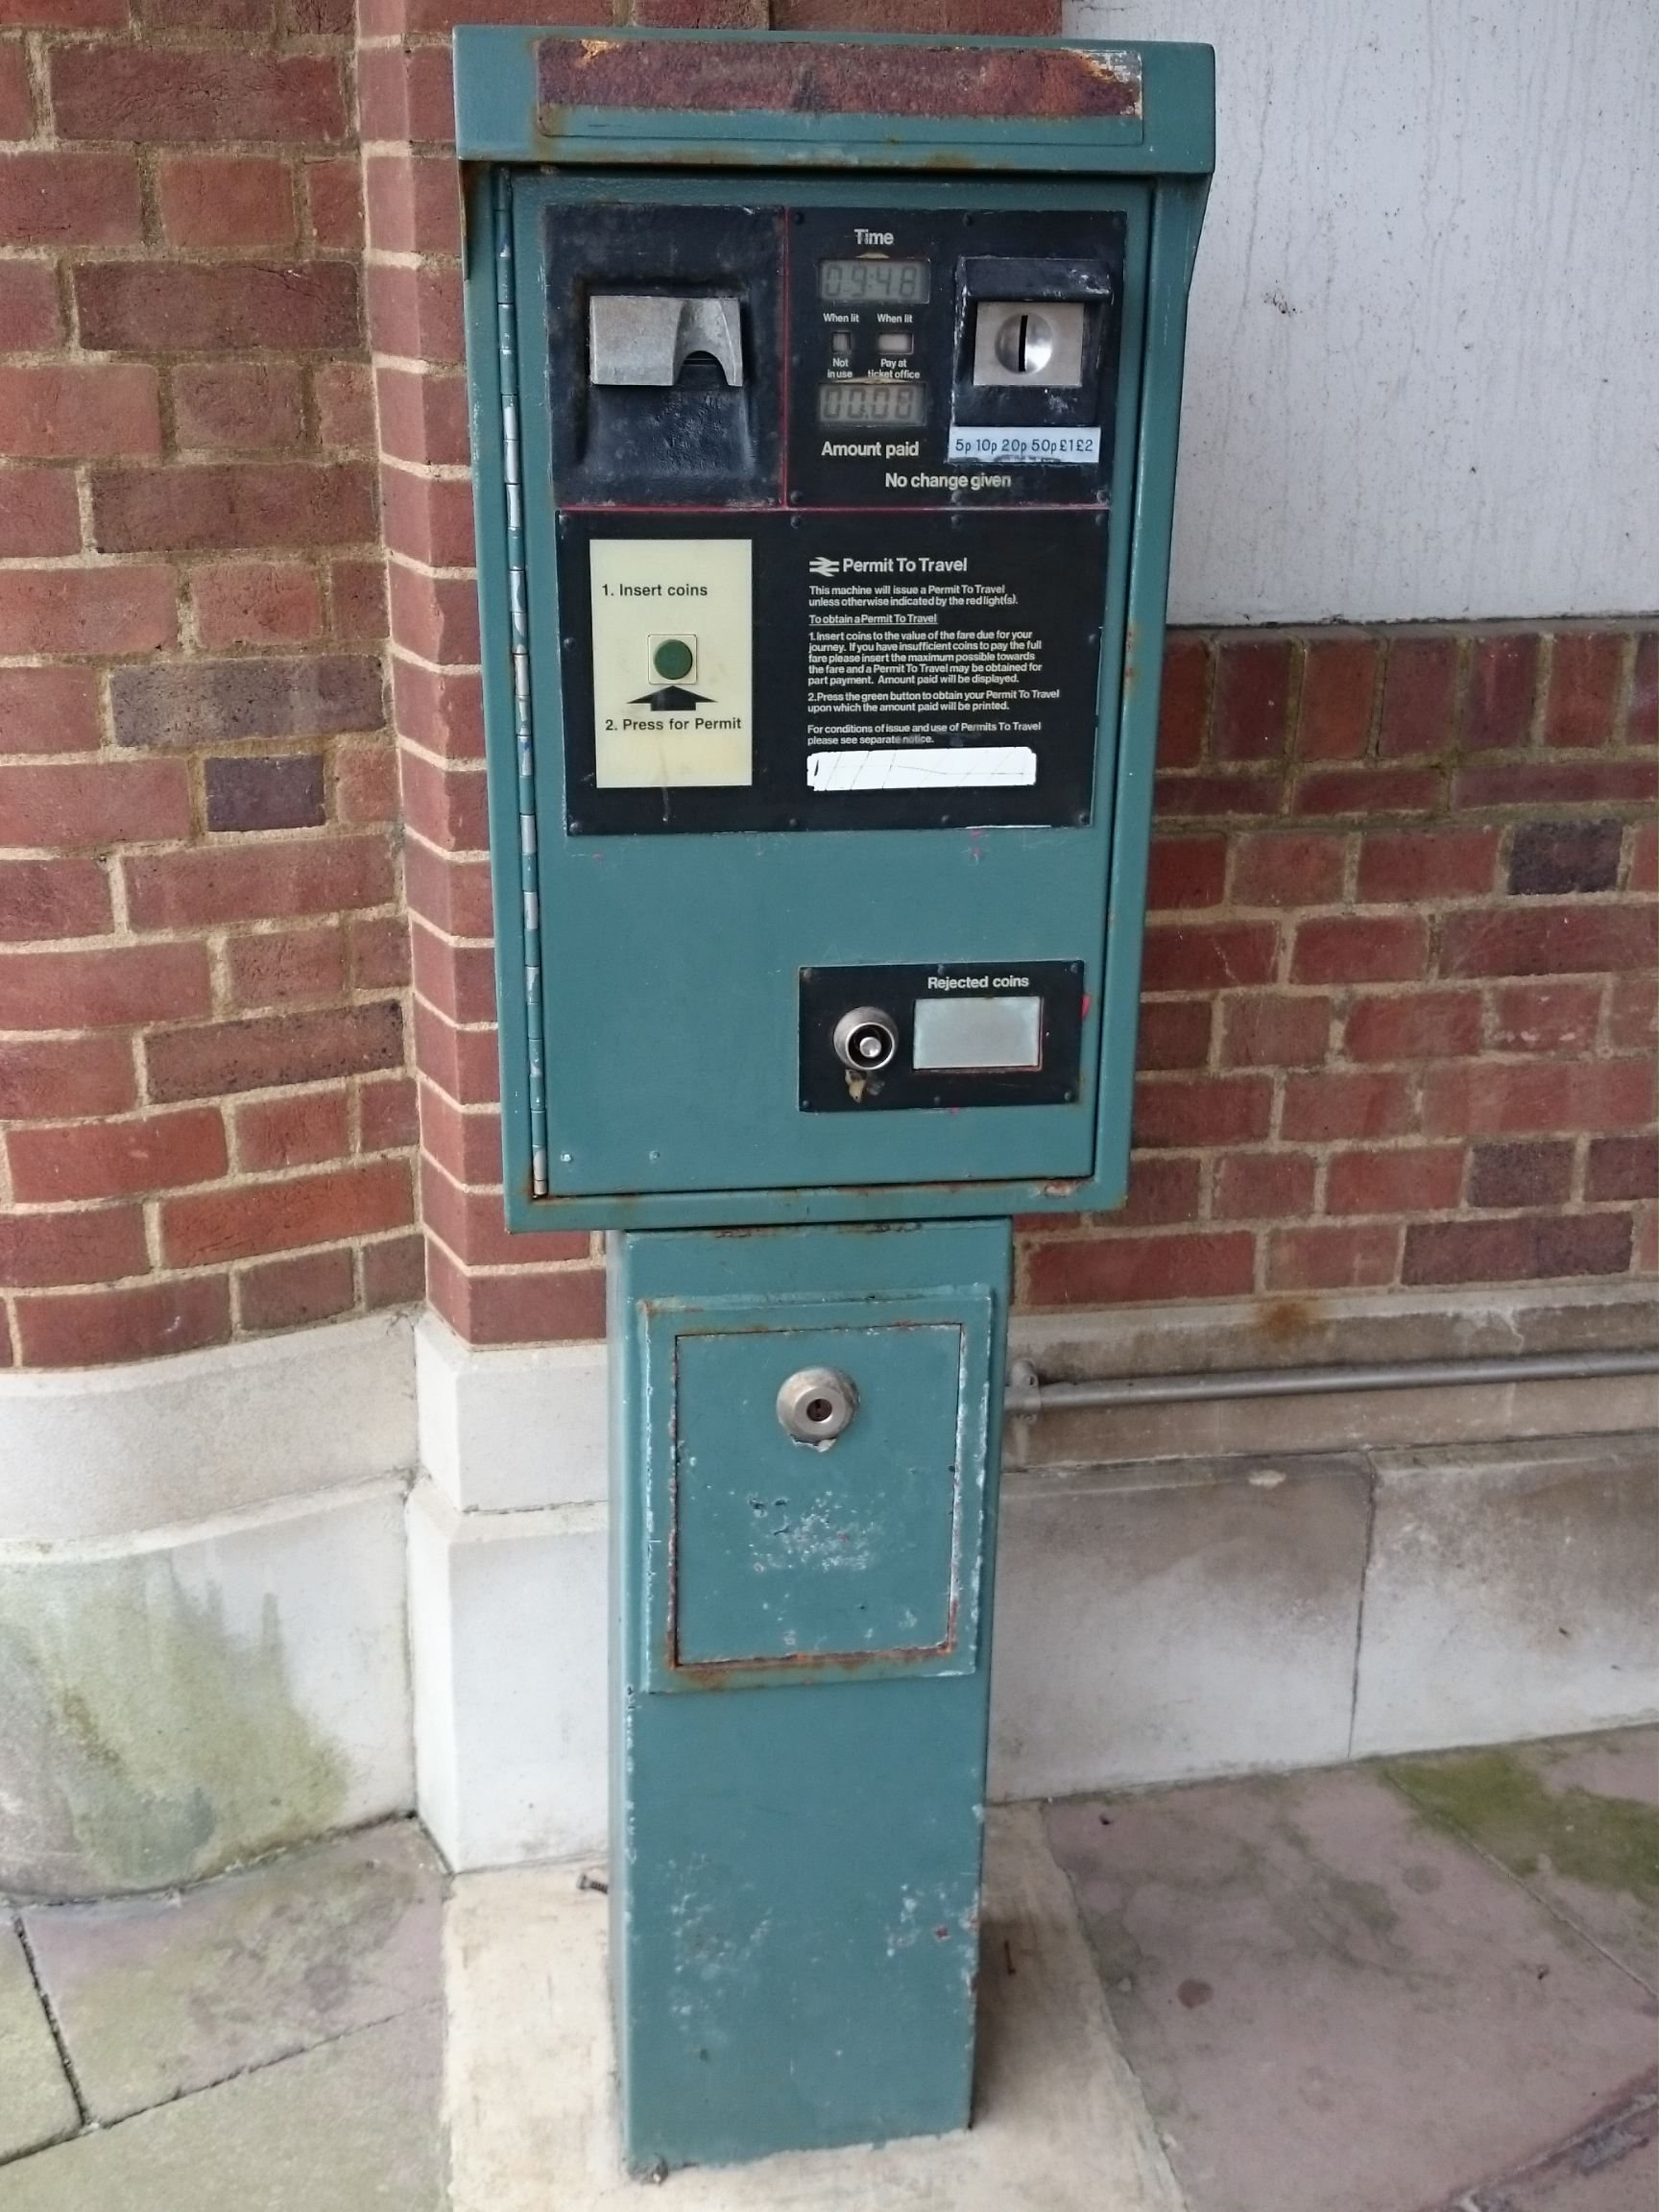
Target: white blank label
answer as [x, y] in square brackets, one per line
[985, 1033]
[920, 768]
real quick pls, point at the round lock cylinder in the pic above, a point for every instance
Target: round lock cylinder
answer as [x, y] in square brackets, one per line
[816, 1405]
[866, 1040]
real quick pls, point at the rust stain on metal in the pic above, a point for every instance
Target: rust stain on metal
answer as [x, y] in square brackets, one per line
[812, 76]
[729, 1673]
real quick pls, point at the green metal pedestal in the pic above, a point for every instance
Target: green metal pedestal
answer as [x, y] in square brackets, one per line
[800, 1679]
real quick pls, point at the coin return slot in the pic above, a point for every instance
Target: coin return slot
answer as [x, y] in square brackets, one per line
[966, 1034]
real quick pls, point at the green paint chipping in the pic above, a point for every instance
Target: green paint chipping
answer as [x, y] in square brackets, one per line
[1499, 1801]
[159, 1742]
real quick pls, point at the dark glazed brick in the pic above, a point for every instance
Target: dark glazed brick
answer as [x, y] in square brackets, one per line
[205, 506]
[289, 1293]
[1252, 696]
[1174, 1033]
[214, 308]
[285, 793]
[1418, 691]
[1531, 1244]
[1186, 871]
[108, 91]
[221, 1056]
[395, 1272]
[1622, 1167]
[1554, 856]
[205, 702]
[1520, 1174]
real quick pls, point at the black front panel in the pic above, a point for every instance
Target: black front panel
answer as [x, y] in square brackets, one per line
[885, 409]
[832, 497]
[899, 646]
[884, 1039]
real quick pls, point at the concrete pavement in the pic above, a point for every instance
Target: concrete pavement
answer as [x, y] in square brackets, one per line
[1423, 1986]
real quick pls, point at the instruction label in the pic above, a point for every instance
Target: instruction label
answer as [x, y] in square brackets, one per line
[964, 659]
[673, 661]
[813, 671]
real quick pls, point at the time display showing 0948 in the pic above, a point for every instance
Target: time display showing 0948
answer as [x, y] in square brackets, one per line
[900, 284]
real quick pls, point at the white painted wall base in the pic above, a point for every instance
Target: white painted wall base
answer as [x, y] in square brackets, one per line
[507, 1618]
[1210, 1610]
[175, 1702]
[1163, 1622]
[204, 1651]
[203, 1635]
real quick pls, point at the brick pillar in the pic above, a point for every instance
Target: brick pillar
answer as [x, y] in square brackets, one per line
[492, 1288]
[206, 1117]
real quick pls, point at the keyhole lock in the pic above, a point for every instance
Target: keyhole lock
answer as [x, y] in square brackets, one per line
[866, 1040]
[1026, 343]
[816, 1405]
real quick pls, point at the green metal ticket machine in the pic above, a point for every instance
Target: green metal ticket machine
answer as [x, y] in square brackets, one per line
[825, 397]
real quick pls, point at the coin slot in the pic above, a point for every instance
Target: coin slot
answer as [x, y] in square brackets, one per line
[1029, 342]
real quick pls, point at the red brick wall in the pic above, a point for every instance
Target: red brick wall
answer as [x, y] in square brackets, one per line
[207, 1107]
[1400, 971]
[1398, 1022]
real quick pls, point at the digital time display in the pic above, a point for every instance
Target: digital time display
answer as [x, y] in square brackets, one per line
[865, 399]
[895, 284]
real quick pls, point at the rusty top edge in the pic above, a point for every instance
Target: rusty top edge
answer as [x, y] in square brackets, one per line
[801, 77]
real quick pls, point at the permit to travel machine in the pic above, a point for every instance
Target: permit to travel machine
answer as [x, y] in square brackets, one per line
[825, 395]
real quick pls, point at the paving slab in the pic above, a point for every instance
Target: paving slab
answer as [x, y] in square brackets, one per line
[1333, 2007]
[158, 1996]
[36, 2103]
[1059, 2125]
[352, 2126]
[1609, 2166]
[1577, 1821]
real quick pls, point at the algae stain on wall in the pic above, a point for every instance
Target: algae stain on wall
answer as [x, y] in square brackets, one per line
[144, 1741]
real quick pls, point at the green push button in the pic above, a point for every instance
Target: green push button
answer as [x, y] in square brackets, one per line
[673, 659]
